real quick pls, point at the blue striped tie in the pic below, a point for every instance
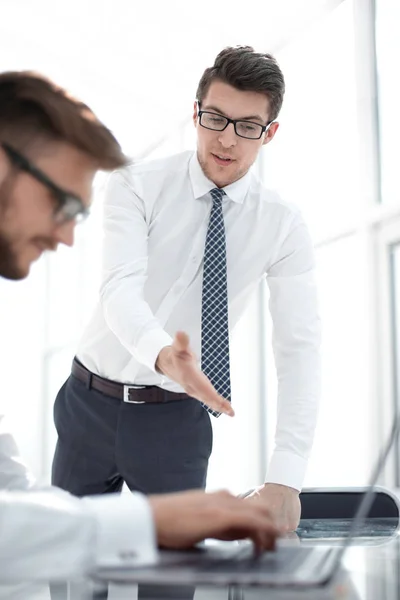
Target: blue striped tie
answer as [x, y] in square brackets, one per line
[214, 307]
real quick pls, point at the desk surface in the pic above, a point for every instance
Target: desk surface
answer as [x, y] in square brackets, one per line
[370, 571]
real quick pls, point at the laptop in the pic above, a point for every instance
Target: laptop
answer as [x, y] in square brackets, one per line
[234, 563]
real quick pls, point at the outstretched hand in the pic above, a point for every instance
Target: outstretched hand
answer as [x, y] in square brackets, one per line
[179, 363]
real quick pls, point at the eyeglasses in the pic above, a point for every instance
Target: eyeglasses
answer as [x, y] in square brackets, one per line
[244, 129]
[69, 207]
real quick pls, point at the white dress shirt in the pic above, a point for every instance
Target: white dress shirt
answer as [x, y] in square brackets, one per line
[156, 218]
[48, 534]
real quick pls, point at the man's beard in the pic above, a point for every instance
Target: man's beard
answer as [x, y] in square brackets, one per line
[8, 261]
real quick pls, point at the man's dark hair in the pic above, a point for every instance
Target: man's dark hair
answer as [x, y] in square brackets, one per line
[34, 110]
[247, 70]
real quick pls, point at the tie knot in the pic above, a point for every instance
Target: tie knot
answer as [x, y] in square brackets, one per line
[217, 194]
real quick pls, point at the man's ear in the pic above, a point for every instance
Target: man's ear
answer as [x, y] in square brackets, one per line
[3, 165]
[195, 112]
[273, 128]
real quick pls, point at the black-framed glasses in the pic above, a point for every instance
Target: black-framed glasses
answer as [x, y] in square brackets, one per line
[69, 207]
[244, 129]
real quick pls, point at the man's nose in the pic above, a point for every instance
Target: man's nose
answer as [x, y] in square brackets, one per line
[227, 137]
[64, 234]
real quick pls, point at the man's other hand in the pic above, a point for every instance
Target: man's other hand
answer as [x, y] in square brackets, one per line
[283, 503]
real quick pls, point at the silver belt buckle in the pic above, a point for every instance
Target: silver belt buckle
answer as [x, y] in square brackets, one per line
[127, 389]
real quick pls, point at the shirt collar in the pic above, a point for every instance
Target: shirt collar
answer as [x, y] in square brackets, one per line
[201, 185]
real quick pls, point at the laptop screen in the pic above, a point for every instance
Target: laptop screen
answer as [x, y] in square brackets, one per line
[368, 498]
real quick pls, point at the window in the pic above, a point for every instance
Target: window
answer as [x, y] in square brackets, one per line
[313, 160]
[387, 54]
[316, 161]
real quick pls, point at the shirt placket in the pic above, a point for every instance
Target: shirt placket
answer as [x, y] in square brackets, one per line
[188, 274]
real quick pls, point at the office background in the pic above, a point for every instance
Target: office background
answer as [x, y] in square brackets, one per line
[335, 156]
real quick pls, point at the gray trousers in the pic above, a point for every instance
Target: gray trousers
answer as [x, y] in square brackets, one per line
[153, 448]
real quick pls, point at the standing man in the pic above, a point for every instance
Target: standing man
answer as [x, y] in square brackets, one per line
[50, 149]
[187, 241]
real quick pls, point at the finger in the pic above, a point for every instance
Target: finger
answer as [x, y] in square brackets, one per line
[268, 540]
[181, 342]
[252, 523]
[262, 523]
[263, 542]
[226, 495]
[256, 506]
[203, 390]
[264, 539]
[221, 405]
[258, 509]
[218, 403]
[251, 497]
[251, 529]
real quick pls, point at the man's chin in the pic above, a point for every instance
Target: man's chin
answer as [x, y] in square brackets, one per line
[11, 270]
[221, 176]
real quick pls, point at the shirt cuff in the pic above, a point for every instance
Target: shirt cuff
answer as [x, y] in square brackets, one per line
[125, 530]
[150, 345]
[287, 469]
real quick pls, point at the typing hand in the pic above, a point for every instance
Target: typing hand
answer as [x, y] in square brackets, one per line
[283, 503]
[179, 363]
[186, 518]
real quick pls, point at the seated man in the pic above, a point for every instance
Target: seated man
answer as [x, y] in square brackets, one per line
[50, 149]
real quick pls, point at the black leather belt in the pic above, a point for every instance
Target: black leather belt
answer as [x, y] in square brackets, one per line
[132, 394]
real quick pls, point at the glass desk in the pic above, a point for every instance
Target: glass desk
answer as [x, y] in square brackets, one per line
[370, 571]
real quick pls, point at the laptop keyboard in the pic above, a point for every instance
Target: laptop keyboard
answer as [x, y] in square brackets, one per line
[285, 560]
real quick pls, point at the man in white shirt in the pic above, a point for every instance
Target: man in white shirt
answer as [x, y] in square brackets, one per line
[50, 149]
[187, 241]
